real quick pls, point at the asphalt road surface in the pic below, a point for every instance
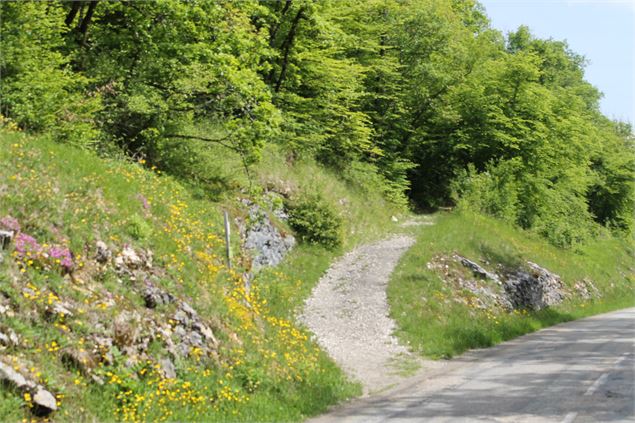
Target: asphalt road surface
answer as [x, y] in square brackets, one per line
[581, 371]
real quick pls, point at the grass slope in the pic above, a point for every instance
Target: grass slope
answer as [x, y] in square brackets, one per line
[436, 326]
[264, 367]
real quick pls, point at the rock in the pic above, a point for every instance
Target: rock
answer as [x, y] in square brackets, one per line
[14, 379]
[476, 268]
[586, 289]
[126, 329]
[81, 360]
[167, 367]
[128, 259]
[8, 337]
[57, 309]
[154, 296]
[205, 331]
[103, 254]
[44, 403]
[534, 289]
[187, 309]
[5, 238]
[98, 380]
[267, 245]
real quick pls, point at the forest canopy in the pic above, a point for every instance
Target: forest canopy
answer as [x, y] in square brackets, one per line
[422, 94]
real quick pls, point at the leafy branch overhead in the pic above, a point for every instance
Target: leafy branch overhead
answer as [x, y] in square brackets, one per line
[424, 95]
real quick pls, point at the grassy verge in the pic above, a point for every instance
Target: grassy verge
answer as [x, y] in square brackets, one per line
[263, 368]
[436, 326]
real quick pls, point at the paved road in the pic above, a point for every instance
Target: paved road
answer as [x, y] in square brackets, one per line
[580, 371]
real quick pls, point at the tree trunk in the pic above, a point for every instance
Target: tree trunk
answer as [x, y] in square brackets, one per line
[70, 17]
[83, 27]
[286, 46]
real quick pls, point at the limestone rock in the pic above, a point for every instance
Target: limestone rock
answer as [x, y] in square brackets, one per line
[8, 337]
[154, 296]
[586, 289]
[476, 268]
[44, 403]
[534, 289]
[5, 238]
[167, 367]
[81, 360]
[126, 329]
[14, 379]
[103, 254]
[267, 244]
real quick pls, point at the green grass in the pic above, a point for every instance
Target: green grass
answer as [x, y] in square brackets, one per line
[438, 327]
[65, 196]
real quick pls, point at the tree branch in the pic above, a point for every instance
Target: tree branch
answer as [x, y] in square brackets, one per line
[220, 141]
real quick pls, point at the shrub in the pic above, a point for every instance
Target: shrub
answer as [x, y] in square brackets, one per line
[138, 228]
[315, 222]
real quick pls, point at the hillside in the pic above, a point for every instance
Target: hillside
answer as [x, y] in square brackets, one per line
[451, 290]
[117, 300]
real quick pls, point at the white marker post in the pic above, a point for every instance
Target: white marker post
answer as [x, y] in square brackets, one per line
[227, 238]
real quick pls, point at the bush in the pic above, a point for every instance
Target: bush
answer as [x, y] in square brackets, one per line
[314, 221]
[506, 190]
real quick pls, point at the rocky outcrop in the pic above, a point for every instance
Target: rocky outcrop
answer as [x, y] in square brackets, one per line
[265, 242]
[483, 291]
[534, 288]
[527, 287]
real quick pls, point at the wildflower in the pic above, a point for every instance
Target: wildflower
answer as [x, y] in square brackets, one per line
[10, 223]
[26, 245]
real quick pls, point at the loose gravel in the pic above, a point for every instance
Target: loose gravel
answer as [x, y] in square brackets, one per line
[348, 313]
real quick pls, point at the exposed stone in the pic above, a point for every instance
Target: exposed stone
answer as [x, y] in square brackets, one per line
[5, 238]
[205, 331]
[6, 308]
[103, 254]
[44, 403]
[534, 289]
[531, 287]
[98, 380]
[128, 259]
[167, 367]
[154, 296]
[14, 379]
[267, 244]
[477, 269]
[81, 360]
[8, 337]
[586, 289]
[187, 309]
[61, 308]
[126, 328]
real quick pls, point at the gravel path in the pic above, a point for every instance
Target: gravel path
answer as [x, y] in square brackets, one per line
[348, 313]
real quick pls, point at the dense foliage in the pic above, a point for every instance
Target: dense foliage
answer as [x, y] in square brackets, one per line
[313, 220]
[422, 93]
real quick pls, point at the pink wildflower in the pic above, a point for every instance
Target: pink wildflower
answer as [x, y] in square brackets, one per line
[10, 223]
